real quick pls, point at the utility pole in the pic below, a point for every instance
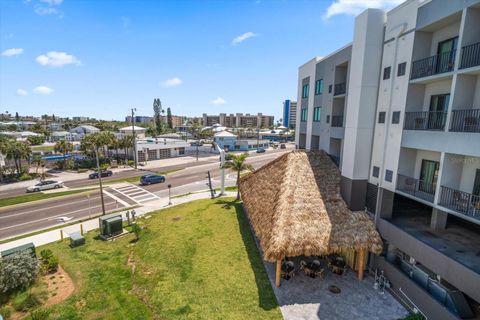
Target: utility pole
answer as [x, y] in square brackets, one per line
[222, 163]
[134, 139]
[258, 137]
[100, 180]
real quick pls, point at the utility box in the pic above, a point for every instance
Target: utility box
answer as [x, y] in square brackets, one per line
[110, 225]
[28, 246]
[76, 239]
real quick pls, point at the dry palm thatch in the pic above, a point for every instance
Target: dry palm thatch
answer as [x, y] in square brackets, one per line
[295, 208]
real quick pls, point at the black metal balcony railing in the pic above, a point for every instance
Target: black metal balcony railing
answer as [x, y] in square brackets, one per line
[417, 188]
[430, 66]
[467, 120]
[425, 120]
[340, 88]
[337, 121]
[470, 56]
[461, 202]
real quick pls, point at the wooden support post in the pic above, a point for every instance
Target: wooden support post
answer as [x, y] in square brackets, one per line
[278, 273]
[360, 263]
[81, 229]
[61, 235]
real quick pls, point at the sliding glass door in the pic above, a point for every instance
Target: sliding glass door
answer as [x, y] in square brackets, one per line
[446, 55]
[438, 111]
[428, 176]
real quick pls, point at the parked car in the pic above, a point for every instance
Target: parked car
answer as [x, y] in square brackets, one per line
[283, 146]
[260, 150]
[152, 178]
[104, 173]
[45, 185]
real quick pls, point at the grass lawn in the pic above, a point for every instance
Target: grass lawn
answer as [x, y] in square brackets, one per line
[193, 261]
[37, 196]
[42, 148]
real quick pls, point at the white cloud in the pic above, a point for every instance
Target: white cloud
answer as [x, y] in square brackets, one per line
[173, 82]
[43, 11]
[22, 93]
[42, 90]
[219, 100]
[52, 2]
[354, 7]
[243, 37]
[12, 52]
[57, 59]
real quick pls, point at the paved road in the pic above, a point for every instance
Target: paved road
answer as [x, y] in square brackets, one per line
[31, 217]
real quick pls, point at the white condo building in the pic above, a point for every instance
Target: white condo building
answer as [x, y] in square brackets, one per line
[398, 110]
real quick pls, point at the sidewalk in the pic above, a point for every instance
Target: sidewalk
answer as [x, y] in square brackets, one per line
[92, 224]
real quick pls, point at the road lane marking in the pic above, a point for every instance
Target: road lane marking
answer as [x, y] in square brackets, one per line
[124, 203]
[55, 216]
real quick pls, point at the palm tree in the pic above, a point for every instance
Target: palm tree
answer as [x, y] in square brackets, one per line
[38, 162]
[18, 151]
[126, 143]
[63, 147]
[237, 163]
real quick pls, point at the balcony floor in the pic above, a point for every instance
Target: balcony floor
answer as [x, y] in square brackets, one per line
[459, 241]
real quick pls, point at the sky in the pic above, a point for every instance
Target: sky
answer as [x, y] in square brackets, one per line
[102, 58]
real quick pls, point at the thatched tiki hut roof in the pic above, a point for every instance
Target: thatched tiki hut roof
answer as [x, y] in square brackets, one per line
[295, 208]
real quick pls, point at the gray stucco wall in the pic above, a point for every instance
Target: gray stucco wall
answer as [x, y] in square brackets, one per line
[439, 9]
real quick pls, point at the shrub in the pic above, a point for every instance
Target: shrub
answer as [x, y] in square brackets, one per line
[5, 312]
[39, 314]
[17, 271]
[25, 177]
[36, 140]
[136, 230]
[26, 301]
[49, 261]
[414, 316]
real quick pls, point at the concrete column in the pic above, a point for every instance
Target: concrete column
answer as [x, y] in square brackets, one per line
[438, 220]
[384, 204]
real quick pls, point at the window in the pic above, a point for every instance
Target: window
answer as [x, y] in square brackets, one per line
[328, 119]
[305, 91]
[316, 114]
[376, 171]
[330, 89]
[402, 67]
[396, 117]
[304, 114]
[386, 73]
[388, 175]
[381, 117]
[319, 87]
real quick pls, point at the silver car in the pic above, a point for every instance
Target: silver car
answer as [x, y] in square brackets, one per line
[45, 185]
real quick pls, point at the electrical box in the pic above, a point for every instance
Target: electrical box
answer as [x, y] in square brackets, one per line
[110, 225]
[76, 239]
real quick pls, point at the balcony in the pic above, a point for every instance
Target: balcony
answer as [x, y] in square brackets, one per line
[337, 121]
[340, 88]
[465, 120]
[461, 202]
[416, 188]
[425, 120]
[433, 65]
[470, 56]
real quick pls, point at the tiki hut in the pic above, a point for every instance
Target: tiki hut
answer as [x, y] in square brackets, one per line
[295, 208]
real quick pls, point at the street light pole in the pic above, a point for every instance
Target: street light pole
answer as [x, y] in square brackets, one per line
[100, 181]
[169, 194]
[134, 139]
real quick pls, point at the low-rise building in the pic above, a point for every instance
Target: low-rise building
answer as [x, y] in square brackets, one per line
[84, 129]
[225, 140]
[128, 131]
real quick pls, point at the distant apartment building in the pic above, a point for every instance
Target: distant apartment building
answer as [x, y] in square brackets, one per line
[139, 119]
[238, 120]
[81, 119]
[289, 114]
[177, 121]
[398, 109]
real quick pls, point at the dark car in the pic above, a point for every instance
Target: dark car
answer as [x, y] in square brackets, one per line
[283, 146]
[152, 178]
[104, 173]
[260, 150]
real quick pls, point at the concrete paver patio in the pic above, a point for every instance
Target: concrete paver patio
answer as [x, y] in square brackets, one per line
[305, 298]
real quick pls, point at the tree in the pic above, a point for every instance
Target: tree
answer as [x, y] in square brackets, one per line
[169, 118]
[63, 147]
[157, 111]
[12, 127]
[36, 140]
[17, 151]
[237, 163]
[17, 271]
[126, 143]
[37, 161]
[17, 117]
